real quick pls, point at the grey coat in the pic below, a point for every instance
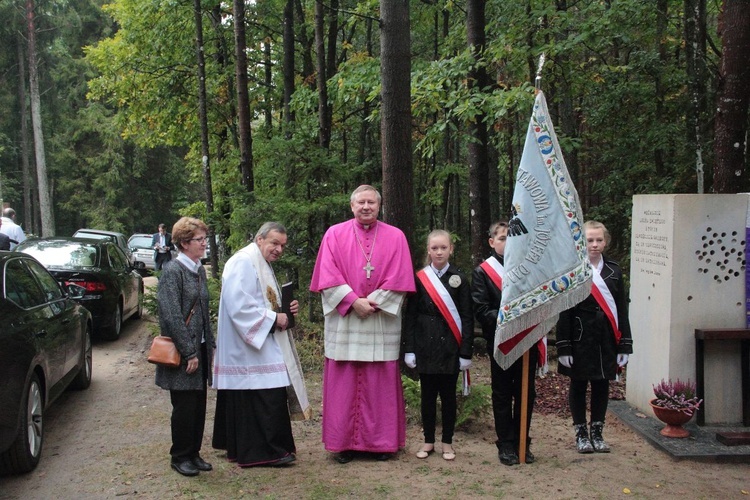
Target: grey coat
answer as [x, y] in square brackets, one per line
[178, 289]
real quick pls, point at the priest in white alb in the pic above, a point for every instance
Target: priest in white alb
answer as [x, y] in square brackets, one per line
[256, 367]
[363, 272]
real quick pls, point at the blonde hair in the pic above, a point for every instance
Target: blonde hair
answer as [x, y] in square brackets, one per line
[433, 234]
[362, 189]
[595, 224]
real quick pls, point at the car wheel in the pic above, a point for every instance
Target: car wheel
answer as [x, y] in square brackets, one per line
[83, 379]
[24, 453]
[115, 327]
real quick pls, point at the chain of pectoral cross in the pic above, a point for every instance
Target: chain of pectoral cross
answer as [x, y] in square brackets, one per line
[368, 267]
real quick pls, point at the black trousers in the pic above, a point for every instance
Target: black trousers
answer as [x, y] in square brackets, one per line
[506, 398]
[161, 259]
[599, 400]
[189, 418]
[434, 384]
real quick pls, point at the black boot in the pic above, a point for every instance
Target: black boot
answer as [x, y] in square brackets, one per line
[583, 443]
[596, 438]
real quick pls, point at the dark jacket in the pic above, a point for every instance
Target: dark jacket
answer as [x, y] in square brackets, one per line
[486, 297]
[167, 243]
[4, 242]
[427, 334]
[178, 289]
[585, 333]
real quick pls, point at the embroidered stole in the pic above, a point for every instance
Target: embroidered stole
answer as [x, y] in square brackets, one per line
[442, 299]
[495, 270]
[603, 296]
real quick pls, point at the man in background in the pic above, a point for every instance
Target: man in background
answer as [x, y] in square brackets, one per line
[162, 245]
[11, 229]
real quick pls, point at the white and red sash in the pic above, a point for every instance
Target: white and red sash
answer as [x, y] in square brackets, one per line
[442, 299]
[604, 298]
[495, 270]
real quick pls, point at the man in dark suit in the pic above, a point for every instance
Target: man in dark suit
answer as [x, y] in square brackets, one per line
[162, 244]
[4, 242]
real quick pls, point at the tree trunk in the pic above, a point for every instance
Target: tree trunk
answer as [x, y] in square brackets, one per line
[308, 68]
[45, 198]
[243, 100]
[732, 97]
[324, 118]
[479, 192]
[364, 131]
[395, 119]
[203, 118]
[288, 60]
[695, 57]
[28, 218]
[333, 28]
[662, 12]
[268, 75]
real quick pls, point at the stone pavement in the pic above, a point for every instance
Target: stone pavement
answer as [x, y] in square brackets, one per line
[701, 445]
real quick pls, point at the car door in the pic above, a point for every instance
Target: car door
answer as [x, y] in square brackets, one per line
[64, 315]
[123, 274]
[37, 319]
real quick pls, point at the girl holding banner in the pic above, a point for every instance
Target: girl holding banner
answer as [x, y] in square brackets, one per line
[438, 338]
[594, 341]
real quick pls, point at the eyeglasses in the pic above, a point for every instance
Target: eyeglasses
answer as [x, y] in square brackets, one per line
[202, 239]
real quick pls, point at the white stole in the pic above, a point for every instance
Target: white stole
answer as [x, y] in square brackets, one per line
[299, 406]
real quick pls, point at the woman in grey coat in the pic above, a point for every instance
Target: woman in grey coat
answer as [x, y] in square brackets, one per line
[183, 315]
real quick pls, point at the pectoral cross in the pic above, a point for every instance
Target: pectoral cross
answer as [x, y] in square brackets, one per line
[369, 269]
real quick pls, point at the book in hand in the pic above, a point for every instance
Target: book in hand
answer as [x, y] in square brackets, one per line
[287, 296]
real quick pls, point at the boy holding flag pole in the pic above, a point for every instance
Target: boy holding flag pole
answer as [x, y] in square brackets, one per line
[546, 271]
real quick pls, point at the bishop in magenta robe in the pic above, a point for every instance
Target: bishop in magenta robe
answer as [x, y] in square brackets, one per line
[363, 272]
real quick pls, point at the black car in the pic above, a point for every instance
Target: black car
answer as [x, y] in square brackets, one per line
[46, 347]
[115, 237]
[114, 289]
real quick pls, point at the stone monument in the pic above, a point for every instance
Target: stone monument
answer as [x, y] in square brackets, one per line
[687, 271]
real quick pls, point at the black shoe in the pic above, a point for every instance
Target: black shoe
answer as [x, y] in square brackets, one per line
[508, 455]
[344, 457]
[583, 443]
[382, 457]
[284, 460]
[597, 441]
[201, 464]
[186, 468]
[529, 457]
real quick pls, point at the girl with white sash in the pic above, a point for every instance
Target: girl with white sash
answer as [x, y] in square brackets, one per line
[594, 341]
[438, 337]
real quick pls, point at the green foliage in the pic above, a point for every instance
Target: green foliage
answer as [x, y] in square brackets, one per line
[121, 116]
[476, 404]
[308, 338]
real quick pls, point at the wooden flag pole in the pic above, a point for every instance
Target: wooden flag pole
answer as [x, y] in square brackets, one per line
[524, 409]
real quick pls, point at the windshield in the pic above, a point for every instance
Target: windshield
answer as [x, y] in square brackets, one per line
[63, 254]
[139, 242]
[94, 236]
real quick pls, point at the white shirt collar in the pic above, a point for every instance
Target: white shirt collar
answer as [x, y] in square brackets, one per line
[187, 262]
[439, 272]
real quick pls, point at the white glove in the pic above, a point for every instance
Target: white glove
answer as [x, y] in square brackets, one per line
[464, 364]
[622, 360]
[410, 359]
[566, 361]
